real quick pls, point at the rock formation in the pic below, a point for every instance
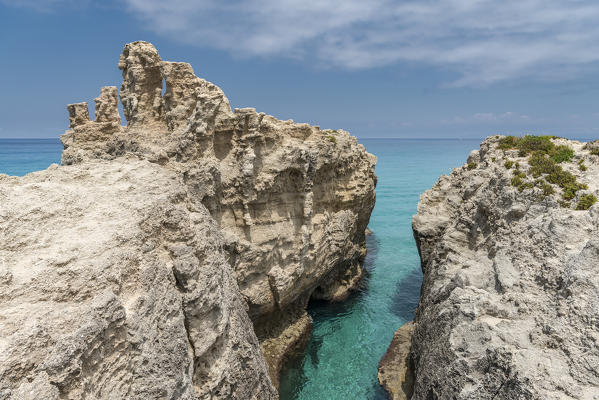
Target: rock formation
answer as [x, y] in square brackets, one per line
[115, 285]
[509, 245]
[139, 268]
[396, 374]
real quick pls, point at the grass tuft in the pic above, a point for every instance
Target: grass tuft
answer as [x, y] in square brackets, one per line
[547, 189]
[508, 142]
[561, 154]
[564, 204]
[530, 144]
[586, 201]
[544, 158]
[537, 144]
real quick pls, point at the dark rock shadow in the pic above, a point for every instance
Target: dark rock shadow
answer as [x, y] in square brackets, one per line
[372, 247]
[407, 295]
[292, 377]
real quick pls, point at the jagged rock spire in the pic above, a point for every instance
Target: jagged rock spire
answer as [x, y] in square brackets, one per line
[107, 105]
[78, 114]
[141, 91]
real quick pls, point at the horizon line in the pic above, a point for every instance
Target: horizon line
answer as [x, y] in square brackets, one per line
[357, 137]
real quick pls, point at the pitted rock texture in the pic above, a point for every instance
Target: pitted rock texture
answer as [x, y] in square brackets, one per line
[141, 91]
[396, 373]
[290, 204]
[115, 285]
[509, 307]
[293, 201]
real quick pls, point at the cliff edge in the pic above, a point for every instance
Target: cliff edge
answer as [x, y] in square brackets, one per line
[174, 256]
[509, 306]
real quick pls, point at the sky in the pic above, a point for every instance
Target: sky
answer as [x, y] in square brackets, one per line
[377, 68]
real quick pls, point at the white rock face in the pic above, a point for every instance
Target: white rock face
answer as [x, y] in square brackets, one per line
[236, 217]
[115, 285]
[510, 299]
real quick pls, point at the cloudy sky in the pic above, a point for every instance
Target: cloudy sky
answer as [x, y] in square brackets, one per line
[377, 68]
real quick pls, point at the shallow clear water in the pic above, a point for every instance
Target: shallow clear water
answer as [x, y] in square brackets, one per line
[348, 339]
[22, 156]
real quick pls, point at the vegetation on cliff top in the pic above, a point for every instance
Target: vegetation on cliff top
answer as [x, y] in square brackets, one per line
[537, 145]
[544, 158]
[592, 147]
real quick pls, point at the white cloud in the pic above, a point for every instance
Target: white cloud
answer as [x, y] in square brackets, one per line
[482, 41]
[507, 117]
[44, 5]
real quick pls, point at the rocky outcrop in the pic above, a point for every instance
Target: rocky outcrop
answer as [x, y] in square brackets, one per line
[283, 208]
[293, 201]
[115, 285]
[509, 307]
[396, 374]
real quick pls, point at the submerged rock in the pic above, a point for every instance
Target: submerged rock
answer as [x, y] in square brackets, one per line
[509, 306]
[154, 262]
[396, 373]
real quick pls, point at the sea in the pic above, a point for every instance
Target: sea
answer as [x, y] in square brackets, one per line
[22, 156]
[349, 338]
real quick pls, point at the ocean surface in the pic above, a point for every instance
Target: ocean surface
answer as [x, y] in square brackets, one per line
[22, 156]
[350, 338]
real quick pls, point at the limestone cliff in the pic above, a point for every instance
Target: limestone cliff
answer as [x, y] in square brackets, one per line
[509, 306]
[280, 207]
[114, 285]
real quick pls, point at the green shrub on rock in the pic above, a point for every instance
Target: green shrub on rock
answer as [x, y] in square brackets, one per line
[540, 164]
[530, 144]
[517, 181]
[586, 201]
[544, 158]
[561, 154]
[508, 142]
[564, 204]
[537, 144]
[571, 188]
[547, 189]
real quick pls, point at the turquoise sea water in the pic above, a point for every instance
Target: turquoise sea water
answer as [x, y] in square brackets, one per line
[21, 156]
[348, 339]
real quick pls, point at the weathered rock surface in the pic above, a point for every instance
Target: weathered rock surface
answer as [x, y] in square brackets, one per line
[114, 285]
[293, 201]
[509, 307]
[396, 373]
[284, 206]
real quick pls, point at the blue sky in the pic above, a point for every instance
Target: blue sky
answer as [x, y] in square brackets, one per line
[378, 68]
